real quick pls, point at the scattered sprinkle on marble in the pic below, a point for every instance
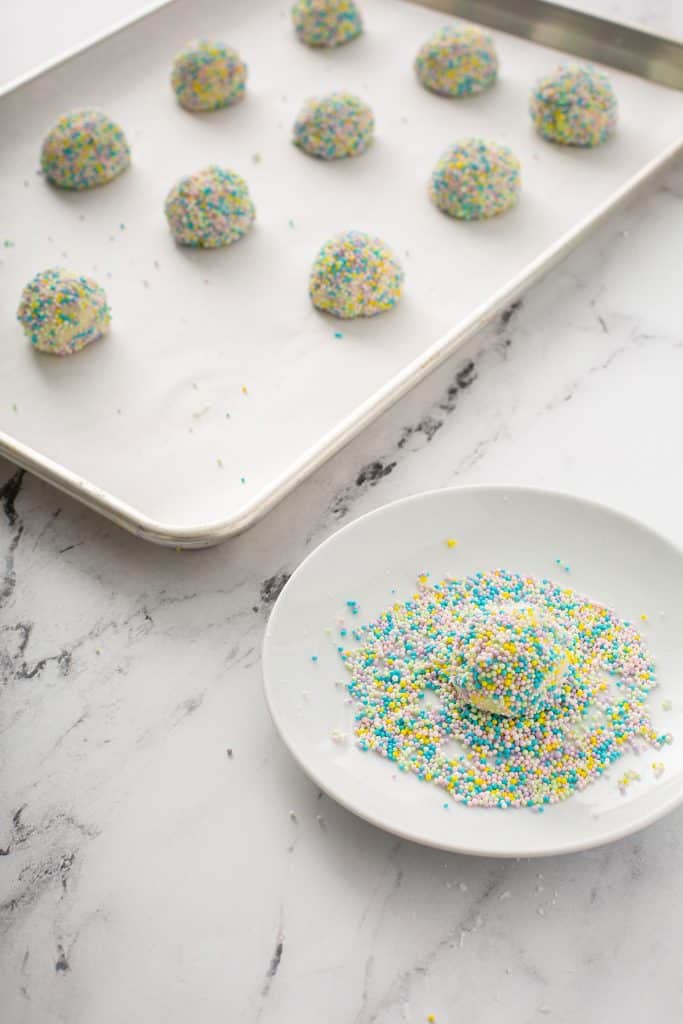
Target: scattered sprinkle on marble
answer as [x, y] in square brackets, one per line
[326, 22]
[597, 710]
[208, 75]
[574, 106]
[457, 60]
[450, 543]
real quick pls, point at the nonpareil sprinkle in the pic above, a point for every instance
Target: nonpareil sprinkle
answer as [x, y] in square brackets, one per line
[570, 680]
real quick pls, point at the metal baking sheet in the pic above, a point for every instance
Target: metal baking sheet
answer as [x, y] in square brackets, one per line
[152, 426]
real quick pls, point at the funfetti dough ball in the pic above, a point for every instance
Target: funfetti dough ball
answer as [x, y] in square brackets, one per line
[510, 661]
[209, 209]
[208, 75]
[326, 22]
[575, 106]
[84, 149]
[62, 312]
[354, 275]
[458, 60]
[475, 179]
[336, 126]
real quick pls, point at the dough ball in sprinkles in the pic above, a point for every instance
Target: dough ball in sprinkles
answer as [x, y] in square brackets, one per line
[574, 106]
[84, 149]
[510, 660]
[598, 710]
[208, 75]
[355, 274]
[335, 126]
[62, 312]
[209, 209]
[475, 179]
[326, 22]
[458, 60]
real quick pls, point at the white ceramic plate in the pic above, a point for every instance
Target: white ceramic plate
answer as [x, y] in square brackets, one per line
[614, 560]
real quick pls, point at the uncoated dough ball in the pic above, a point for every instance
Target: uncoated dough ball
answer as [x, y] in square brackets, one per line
[355, 274]
[84, 149]
[208, 75]
[62, 312]
[475, 179]
[335, 126]
[458, 60]
[209, 209]
[326, 22]
[575, 106]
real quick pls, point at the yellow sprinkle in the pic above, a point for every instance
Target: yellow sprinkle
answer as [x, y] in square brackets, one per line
[431, 1018]
[244, 389]
[450, 543]
[643, 617]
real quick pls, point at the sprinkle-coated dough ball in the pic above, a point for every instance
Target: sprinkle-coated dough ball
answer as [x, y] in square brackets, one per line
[510, 660]
[85, 148]
[326, 22]
[209, 209]
[355, 274]
[575, 106]
[62, 312]
[458, 60]
[475, 179]
[335, 126]
[208, 75]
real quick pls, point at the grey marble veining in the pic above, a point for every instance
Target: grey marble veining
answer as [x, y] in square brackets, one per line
[162, 858]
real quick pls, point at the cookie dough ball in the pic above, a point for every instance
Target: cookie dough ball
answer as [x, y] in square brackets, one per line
[209, 209]
[510, 660]
[208, 75]
[336, 126]
[84, 149]
[62, 312]
[458, 60]
[326, 22]
[575, 106]
[475, 179]
[355, 274]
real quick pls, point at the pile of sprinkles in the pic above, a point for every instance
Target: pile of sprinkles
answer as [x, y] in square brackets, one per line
[596, 711]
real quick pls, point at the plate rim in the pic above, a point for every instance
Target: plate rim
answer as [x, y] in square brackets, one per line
[613, 835]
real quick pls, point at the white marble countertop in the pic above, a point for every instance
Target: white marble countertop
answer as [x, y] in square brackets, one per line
[151, 871]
